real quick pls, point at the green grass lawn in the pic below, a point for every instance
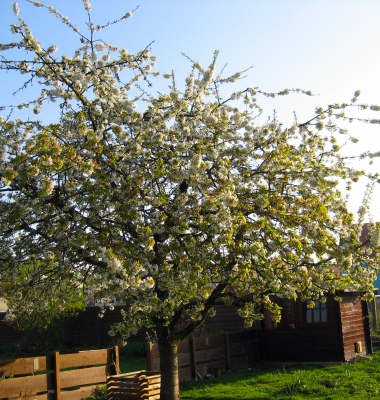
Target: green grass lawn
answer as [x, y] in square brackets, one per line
[132, 364]
[359, 380]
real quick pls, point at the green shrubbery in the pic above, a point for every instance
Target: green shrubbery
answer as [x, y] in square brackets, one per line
[133, 350]
[99, 393]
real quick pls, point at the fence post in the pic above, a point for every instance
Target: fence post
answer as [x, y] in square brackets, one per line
[192, 358]
[117, 359]
[374, 314]
[227, 351]
[149, 347]
[57, 376]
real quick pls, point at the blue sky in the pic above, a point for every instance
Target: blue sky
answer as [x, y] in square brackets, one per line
[328, 47]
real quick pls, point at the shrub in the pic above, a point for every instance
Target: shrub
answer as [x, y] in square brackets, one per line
[133, 350]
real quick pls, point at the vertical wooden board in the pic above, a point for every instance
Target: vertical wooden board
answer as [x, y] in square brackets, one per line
[155, 364]
[116, 355]
[57, 376]
[149, 346]
[155, 351]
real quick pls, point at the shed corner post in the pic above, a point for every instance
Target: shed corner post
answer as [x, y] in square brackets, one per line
[367, 327]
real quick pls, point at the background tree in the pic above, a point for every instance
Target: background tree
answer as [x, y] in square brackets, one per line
[177, 207]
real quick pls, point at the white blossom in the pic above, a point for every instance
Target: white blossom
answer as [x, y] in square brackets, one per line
[16, 9]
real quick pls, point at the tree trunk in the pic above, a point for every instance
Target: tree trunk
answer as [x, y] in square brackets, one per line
[169, 368]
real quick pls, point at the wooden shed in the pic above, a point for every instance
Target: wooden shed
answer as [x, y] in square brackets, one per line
[331, 331]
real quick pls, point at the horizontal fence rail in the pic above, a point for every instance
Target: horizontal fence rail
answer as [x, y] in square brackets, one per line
[211, 355]
[57, 377]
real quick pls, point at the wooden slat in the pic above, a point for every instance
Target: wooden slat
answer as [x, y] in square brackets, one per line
[184, 359]
[236, 349]
[83, 376]
[26, 385]
[210, 354]
[22, 366]
[84, 358]
[208, 342]
[185, 374]
[136, 385]
[79, 393]
[184, 346]
[44, 396]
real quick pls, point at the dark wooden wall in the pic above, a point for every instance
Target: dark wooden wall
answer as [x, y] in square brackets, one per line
[291, 340]
[355, 325]
[87, 329]
[295, 339]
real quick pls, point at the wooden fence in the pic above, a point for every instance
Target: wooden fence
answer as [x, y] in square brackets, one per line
[58, 377]
[87, 329]
[211, 354]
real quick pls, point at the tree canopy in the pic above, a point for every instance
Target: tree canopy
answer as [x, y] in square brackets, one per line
[173, 208]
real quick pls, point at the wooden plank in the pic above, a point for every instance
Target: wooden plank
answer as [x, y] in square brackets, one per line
[184, 346]
[83, 376]
[236, 349]
[236, 337]
[184, 359]
[127, 375]
[83, 358]
[185, 374]
[205, 342]
[45, 396]
[26, 385]
[155, 351]
[353, 331]
[209, 354]
[22, 366]
[149, 347]
[155, 364]
[78, 394]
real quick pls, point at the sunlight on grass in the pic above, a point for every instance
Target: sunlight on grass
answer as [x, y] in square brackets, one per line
[359, 380]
